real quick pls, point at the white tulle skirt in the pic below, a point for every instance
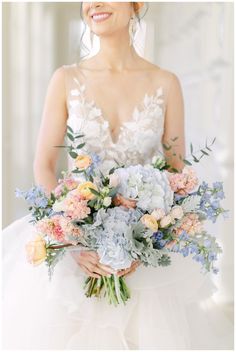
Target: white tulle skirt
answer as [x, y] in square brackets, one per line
[165, 312]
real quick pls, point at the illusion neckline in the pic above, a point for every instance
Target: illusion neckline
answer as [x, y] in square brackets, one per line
[138, 109]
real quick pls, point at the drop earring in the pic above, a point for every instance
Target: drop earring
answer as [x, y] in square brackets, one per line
[91, 37]
[132, 29]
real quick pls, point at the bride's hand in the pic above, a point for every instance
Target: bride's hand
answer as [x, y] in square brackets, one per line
[128, 271]
[89, 263]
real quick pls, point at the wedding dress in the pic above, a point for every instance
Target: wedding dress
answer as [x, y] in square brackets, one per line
[167, 308]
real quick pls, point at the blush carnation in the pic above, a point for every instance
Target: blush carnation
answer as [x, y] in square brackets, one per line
[67, 184]
[52, 228]
[71, 233]
[75, 207]
[183, 183]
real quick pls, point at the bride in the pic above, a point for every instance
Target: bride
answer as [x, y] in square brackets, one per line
[126, 107]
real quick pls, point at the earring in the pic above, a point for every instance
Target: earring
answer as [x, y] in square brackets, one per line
[91, 36]
[132, 29]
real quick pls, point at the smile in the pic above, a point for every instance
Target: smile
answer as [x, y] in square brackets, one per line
[101, 17]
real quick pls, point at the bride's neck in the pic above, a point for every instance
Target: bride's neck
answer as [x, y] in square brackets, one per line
[115, 52]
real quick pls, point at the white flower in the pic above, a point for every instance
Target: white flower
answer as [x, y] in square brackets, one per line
[58, 206]
[166, 221]
[177, 212]
[158, 213]
[107, 201]
[113, 180]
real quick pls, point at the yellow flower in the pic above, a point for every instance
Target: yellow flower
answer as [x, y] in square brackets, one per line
[84, 190]
[83, 161]
[150, 222]
[36, 250]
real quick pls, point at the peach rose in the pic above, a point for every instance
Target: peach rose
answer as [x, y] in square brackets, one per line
[166, 221]
[83, 161]
[120, 200]
[84, 190]
[36, 250]
[158, 213]
[150, 222]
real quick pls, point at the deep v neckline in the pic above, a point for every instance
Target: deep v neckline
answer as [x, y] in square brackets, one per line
[138, 108]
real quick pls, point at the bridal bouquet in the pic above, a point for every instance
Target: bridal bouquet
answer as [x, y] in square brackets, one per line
[132, 213]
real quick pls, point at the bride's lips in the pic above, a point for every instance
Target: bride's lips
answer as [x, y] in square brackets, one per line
[101, 16]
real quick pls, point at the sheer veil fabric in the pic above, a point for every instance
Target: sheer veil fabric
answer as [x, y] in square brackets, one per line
[165, 311]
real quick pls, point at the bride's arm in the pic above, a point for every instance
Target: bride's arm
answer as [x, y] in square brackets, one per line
[52, 132]
[174, 124]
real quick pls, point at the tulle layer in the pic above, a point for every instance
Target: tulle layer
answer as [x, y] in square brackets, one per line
[163, 313]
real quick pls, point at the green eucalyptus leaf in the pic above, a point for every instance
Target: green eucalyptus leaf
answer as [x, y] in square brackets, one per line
[187, 162]
[166, 147]
[70, 136]
[69, 129]
[203, 152]
[76, 171]
[191, 148]
[80, 146]
[94, 192]
[73, 154]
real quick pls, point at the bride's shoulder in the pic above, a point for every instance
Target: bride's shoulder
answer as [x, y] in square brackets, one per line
[167, 77]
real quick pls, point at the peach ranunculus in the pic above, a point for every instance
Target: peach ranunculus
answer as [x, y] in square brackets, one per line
[190, 223]
[83, 161]
[36, 251]
[120, 200]
[84, 190]
[150, 222]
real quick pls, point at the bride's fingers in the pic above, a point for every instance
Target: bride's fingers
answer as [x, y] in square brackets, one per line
[132, 268]
[106, 268]
[95, 269]
[89, 273]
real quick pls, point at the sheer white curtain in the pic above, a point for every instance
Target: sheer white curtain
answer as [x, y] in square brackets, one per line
[195, 40]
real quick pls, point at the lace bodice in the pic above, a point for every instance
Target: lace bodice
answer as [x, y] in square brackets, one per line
[139, 137]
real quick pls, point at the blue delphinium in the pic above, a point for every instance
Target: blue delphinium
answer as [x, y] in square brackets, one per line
[38, 201]
[210, 200]
[36, 196]
[94, 165]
